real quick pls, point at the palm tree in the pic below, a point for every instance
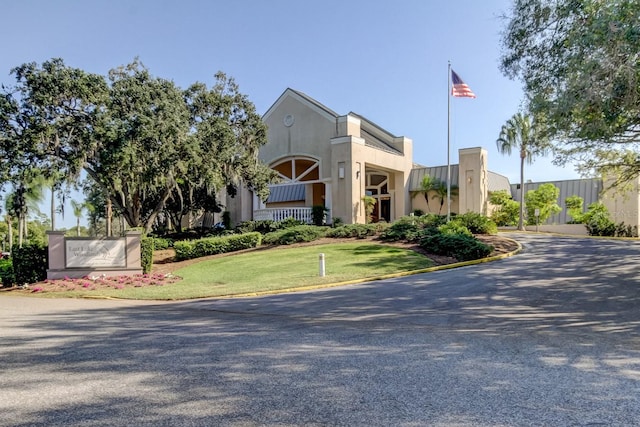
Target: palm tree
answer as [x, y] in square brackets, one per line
[77, 207]
[427, 185]
[9, 220]
[55, 181]
[26, 196]
[441, 193]
[522, 133]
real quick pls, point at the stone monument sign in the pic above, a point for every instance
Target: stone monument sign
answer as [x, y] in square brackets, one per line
[76, 257]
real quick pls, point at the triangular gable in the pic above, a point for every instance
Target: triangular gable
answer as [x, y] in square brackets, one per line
[304, 99]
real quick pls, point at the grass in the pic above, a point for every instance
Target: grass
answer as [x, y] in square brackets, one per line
[272, 270]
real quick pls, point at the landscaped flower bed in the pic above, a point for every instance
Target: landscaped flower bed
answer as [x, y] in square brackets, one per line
[104, 282]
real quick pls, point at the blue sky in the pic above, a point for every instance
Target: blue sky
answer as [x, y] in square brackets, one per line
[386, 61]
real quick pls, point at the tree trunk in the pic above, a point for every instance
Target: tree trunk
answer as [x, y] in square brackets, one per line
[20, 230]
[108, 217]
[53, 209]
[159, 207]
[521, 220]
[10, 231]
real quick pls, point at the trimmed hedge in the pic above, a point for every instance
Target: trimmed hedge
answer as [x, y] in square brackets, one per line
[7, 278]
[147, 246]
[189, 249]
[30, 263]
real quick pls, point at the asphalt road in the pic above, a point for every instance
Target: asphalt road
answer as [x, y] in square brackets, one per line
[550, 337]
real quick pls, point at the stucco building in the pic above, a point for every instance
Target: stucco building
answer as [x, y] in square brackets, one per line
[334, 160]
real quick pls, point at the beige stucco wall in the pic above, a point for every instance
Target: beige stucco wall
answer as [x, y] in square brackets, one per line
[623, 204]
[357, 159]
[241, 206]
[307, 136]
[472, 179]
[418, 202]
[335, 142]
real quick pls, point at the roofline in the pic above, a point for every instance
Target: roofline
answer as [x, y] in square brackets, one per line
[373, 124]
[323, 109]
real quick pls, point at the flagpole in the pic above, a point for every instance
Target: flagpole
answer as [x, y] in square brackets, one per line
[449, 141]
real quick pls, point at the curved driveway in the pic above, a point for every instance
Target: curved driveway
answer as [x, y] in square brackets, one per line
[548, 337]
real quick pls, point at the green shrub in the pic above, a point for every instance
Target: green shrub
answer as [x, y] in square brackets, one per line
[318, 213]
[7, 277]
[30, 263]
[432, 220]
[209, 246]
[161, 243]
[215, 245]
[624, 230]
[359, 231]
[506, 211]
[458, 246]
[544, 199]
[410, 228]
[598, 223]
[427, 231]
[574, 205]
[147, 245]
[239, 242]
[300, 233]
[476, 223]
[405, 228]
[263, 227]
[184, 249]
[454, 227]
[289, 223]
[597, 220]
[381, 226]
[337, 221]
[226, 220]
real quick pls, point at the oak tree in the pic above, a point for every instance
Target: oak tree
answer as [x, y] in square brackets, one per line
[579, 61]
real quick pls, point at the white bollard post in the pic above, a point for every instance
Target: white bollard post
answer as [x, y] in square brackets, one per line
[321, 262]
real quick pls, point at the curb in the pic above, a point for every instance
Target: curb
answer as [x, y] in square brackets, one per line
[343, 283]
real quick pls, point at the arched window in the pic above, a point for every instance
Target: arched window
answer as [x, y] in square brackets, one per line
[298, 169]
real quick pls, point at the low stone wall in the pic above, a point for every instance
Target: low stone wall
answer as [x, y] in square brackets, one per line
[77, 257]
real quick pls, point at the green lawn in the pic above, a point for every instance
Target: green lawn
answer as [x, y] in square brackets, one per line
[276, 269]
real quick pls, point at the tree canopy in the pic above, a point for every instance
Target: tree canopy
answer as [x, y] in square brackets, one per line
[545, 200]
[141, 139]
[579, 61]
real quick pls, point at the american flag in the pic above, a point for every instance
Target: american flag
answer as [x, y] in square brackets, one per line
[460, 89]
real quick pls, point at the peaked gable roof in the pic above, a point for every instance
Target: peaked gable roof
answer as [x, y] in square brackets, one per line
[374, 136]
[305, 99]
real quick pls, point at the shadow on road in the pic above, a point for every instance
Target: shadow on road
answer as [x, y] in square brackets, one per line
[539, 339]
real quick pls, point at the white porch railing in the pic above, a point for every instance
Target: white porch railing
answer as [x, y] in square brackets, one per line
[280, 214]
